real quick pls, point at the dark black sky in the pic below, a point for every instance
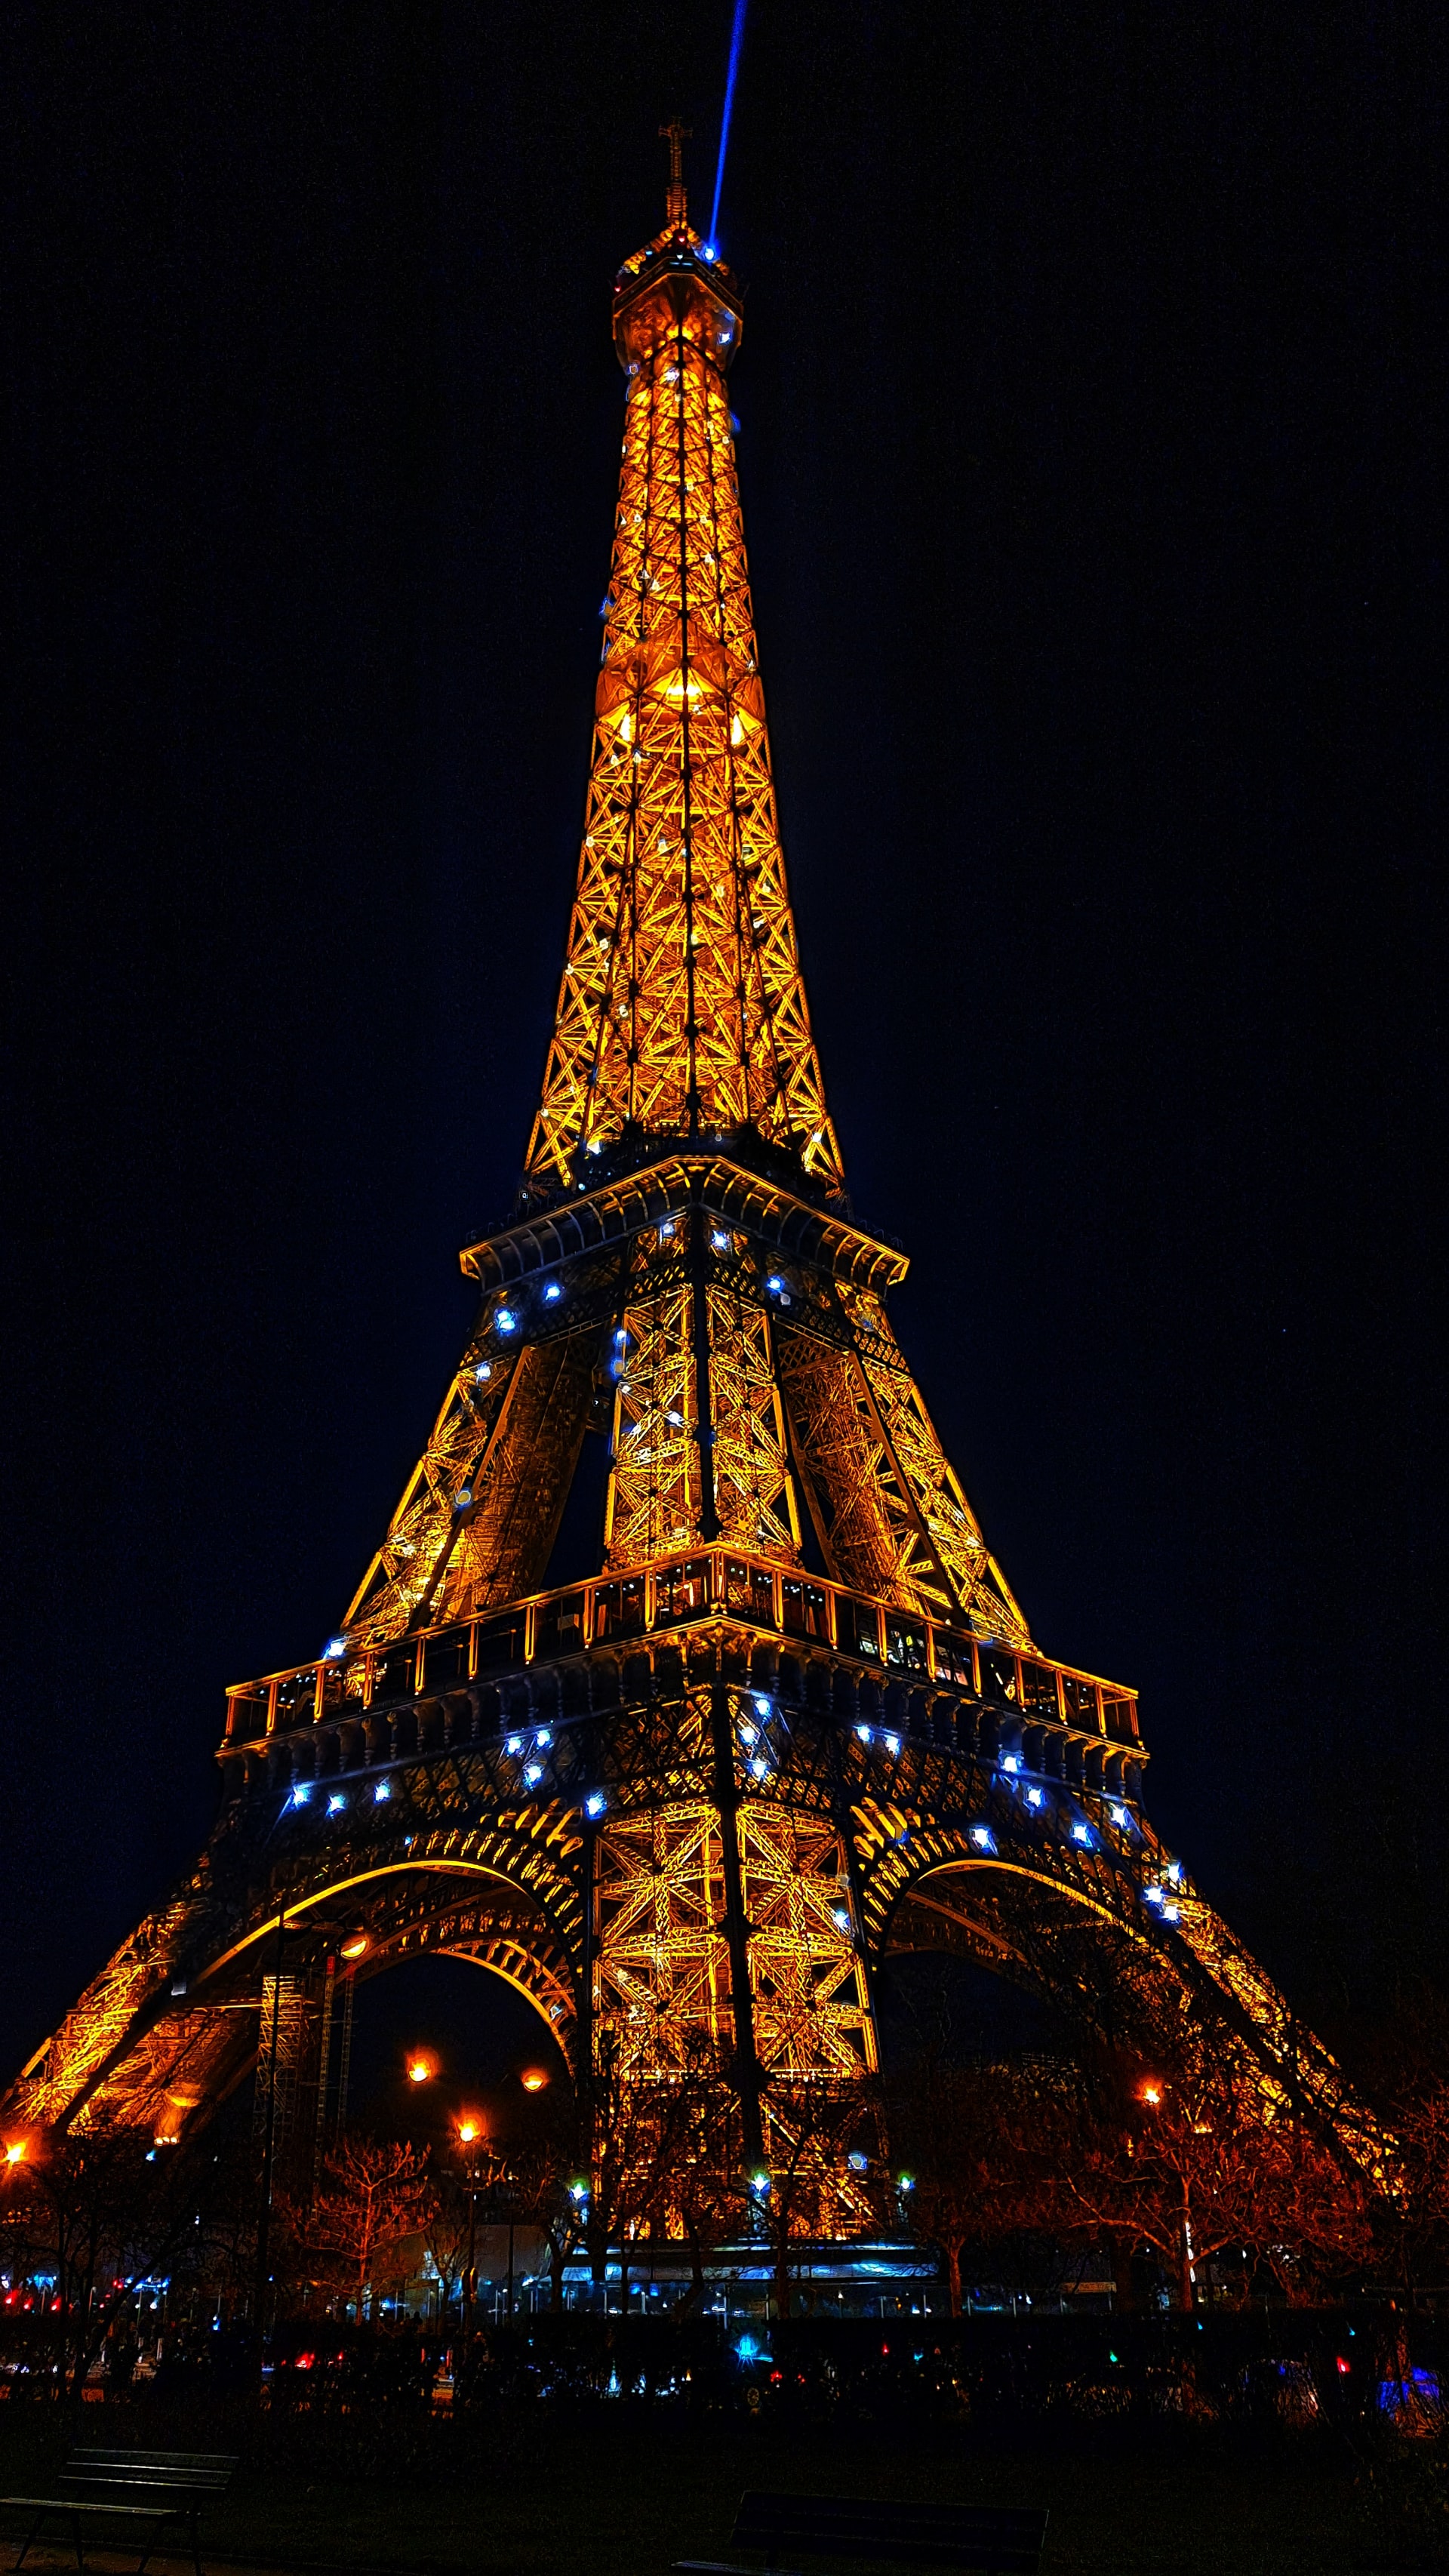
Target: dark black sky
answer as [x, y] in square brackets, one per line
[1092, 394]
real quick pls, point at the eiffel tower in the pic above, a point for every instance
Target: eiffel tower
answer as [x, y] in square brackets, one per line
[715, 1787]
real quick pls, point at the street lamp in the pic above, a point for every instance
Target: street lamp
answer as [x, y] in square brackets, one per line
[470, 2130]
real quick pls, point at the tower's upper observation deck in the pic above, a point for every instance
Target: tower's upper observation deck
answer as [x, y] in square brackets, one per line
[676, 282]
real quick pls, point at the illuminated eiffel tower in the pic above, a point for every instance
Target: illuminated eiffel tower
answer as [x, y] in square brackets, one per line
[707, 1790]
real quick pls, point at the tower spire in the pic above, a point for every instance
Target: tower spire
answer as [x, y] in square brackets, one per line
[676, 135]
[681, 1011]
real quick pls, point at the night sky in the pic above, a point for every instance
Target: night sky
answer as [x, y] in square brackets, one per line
[1091, 400]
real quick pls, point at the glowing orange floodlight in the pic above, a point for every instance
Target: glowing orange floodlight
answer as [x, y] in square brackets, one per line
[354, 1948]
[15, 2152]
[533, 2079]
[1151, 2093]
[469, 2128]
[422, 2066]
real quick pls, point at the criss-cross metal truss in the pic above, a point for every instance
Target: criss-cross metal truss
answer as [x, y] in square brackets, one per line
[682, 1008]
[697, 1798]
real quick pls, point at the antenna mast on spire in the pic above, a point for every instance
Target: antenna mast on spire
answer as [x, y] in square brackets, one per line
[676, 135]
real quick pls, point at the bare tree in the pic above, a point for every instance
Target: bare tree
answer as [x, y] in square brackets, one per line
[1190, 2164]
[374, 2194]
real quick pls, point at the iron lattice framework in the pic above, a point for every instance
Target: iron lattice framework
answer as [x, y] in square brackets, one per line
[705, 1793]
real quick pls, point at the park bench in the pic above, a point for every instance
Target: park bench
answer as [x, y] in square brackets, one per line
[996, 2541]
[130, 2487]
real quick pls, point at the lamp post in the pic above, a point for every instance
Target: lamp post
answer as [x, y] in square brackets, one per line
[469, 2131]
[269, 2145]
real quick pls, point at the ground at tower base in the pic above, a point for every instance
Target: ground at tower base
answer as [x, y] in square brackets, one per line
[1218, 2458]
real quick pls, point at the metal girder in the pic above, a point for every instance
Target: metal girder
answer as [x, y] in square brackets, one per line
[699, 1440]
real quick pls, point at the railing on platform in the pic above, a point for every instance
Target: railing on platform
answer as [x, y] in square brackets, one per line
[711, 1584]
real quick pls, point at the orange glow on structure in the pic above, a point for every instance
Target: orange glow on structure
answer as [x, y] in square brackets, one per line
[15, 2152]
[533, 2079]
[1151, 2093]
[422, 2066]
[354, 1948]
